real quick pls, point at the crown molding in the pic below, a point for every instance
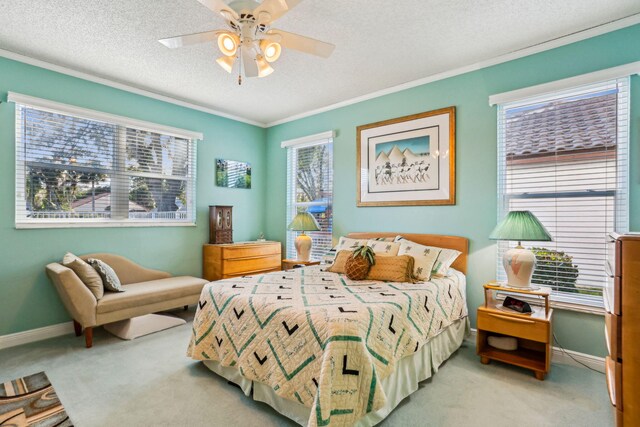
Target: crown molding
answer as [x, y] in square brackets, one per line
[520, 53]
[537, 48]
[122, 86]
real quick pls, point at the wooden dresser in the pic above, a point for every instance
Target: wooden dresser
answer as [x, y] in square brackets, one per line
[622, 300]
[240, 259]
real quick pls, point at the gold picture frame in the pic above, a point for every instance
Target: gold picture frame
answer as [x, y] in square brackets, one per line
[408, 161]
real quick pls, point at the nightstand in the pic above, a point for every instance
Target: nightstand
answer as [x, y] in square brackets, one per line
[534, 332]
[287, 264]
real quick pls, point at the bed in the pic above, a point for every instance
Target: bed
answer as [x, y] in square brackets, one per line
[326, 351]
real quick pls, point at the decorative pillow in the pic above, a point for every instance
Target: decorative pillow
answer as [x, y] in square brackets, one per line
[382, 247]
[86, 273]
[444, 261]
[383, 239]
[393, 269]
[350, 244]
[109, 277]
[425, 258]
[339, 264]
[329, 257]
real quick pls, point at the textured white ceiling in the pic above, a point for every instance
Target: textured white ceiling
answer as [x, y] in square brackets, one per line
[379, 44]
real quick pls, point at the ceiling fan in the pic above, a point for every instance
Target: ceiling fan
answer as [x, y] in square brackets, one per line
[250, 40]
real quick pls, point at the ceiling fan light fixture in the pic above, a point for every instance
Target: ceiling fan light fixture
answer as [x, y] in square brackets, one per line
[264, 69]
[228, 44]
[226, 62]
[271, 50]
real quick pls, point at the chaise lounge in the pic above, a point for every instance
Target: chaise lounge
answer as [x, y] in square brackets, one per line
[146, 291]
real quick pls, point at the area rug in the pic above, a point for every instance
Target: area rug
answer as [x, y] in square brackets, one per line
[31, 401]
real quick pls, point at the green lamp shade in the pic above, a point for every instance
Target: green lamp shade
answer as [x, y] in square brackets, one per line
[304, 221]
[521, 226]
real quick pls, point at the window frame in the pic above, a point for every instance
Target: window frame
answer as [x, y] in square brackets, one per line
[620, 195]
[120, 145]
[324, 138]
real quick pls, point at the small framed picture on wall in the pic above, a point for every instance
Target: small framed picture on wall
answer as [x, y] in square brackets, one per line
[408, 161]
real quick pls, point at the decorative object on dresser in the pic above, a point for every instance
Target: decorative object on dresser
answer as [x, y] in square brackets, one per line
[240, 259]
[533, 331]
[519, 262]
[303, 221]
[622, 323]
[408, 160]
[220, 224]
[288, 264]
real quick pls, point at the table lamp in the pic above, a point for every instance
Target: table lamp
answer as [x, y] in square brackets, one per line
[303, 221]
[519, 262]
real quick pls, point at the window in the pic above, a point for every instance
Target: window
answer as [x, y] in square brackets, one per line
[310, 188]
[564, 157]
[78, 167]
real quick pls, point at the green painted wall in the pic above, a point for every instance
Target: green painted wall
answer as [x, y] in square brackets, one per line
[27, 299]
[474, 215]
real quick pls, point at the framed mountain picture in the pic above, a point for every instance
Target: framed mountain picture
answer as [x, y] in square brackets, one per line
[408, 161]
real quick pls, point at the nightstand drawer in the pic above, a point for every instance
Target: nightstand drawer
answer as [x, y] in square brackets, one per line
[513, 325]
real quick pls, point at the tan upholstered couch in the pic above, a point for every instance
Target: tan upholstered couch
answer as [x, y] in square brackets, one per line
[146, 291]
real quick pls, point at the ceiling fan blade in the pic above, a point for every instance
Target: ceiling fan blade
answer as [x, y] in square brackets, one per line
[219, 6]
[189, 39]
[249, 62]
[275, 9]
[301, 43]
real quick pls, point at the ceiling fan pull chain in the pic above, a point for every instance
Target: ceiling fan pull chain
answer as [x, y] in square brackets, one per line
[240, 71]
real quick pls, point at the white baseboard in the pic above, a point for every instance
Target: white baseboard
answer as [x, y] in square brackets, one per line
[566, 357]
[34, 335]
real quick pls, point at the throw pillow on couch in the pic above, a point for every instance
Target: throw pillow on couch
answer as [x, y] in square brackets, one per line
[86, 273]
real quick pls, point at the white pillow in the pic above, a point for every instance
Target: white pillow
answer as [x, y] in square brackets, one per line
[425, 257]
[347, 244]
[381, 247]
[344, 243]
[444, 261]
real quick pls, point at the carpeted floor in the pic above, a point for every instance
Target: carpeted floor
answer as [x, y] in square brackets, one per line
[150, 382]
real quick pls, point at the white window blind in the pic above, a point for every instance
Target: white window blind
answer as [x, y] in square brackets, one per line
[564, 156]
[90, 169]
[310, 188]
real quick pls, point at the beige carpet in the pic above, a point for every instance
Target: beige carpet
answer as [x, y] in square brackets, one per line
[151, 382]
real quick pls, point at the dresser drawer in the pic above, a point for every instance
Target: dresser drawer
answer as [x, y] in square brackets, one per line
[613, 335]
[250, 265]
[513, 325]
[613, 373]
[613, 265]
[244, 251]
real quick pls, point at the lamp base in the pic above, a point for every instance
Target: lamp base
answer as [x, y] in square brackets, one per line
[519, 264]
[303, 247]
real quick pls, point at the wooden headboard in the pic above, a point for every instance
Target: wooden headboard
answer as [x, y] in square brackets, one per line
[449, 242]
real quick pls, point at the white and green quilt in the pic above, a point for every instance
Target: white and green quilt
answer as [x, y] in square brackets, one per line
[318, 338]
